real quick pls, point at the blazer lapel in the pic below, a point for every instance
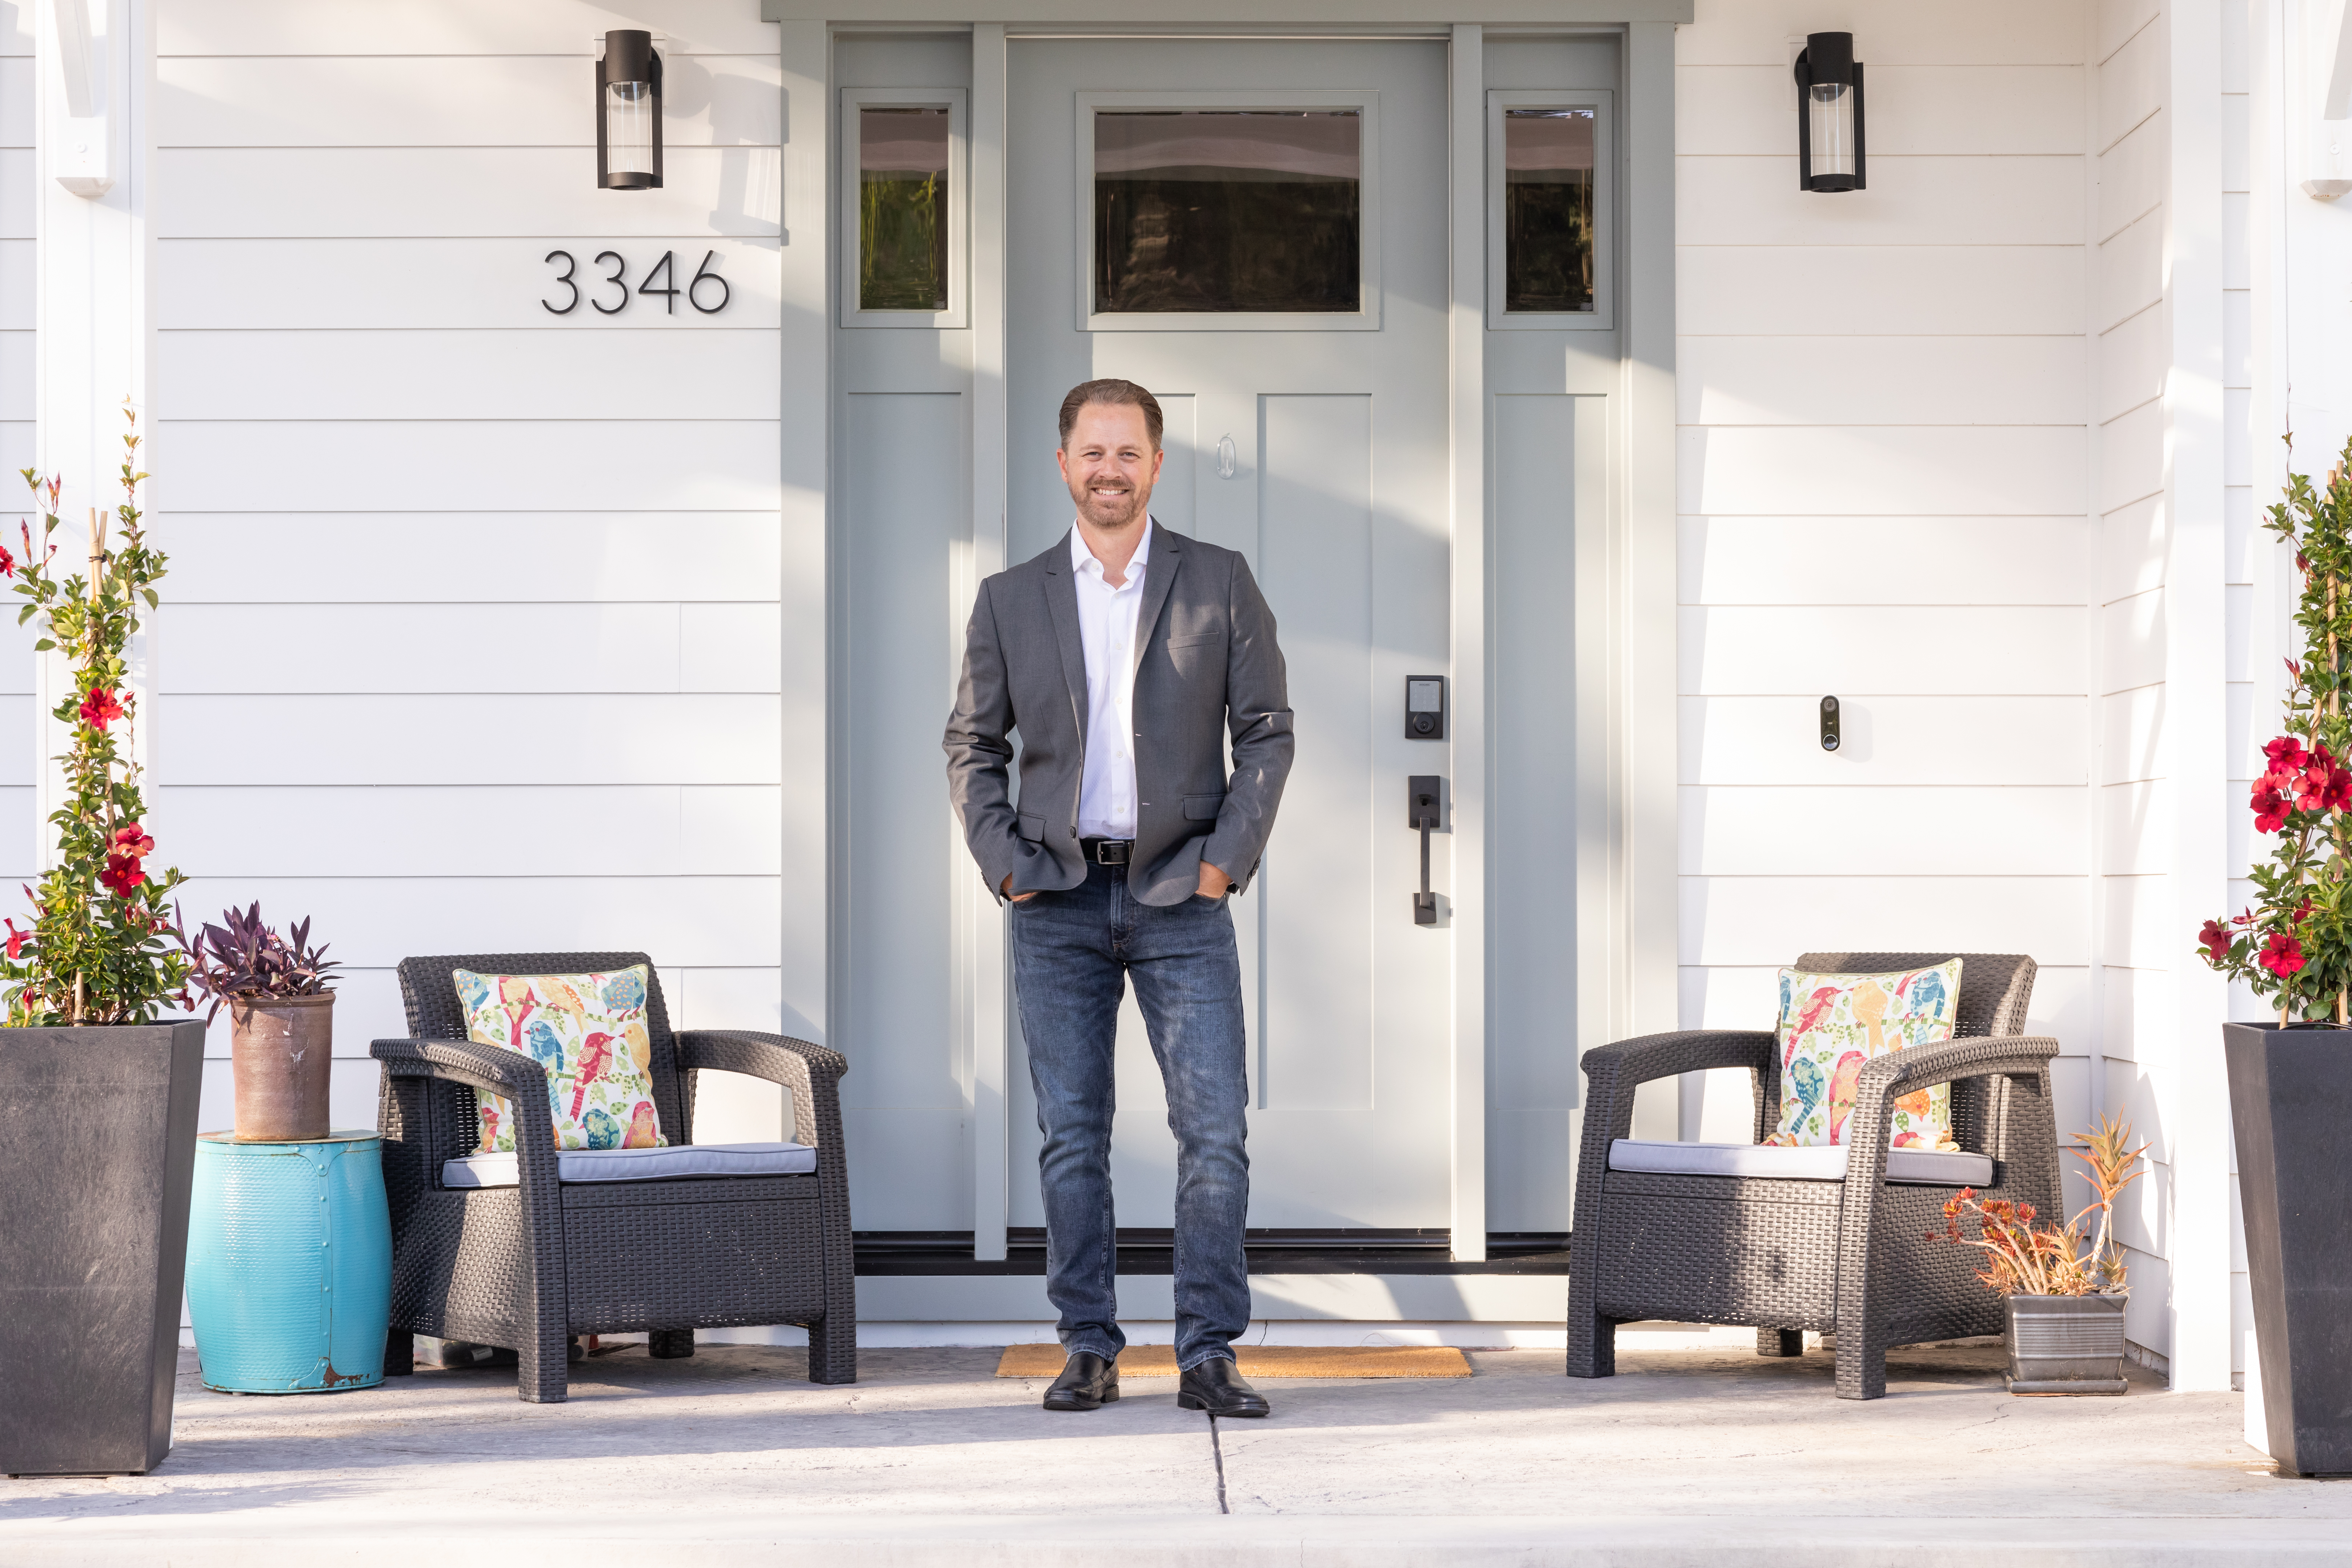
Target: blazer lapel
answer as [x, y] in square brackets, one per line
[1158, 576]
[1062, 597]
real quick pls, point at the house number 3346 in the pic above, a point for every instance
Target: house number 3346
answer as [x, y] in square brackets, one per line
[661, 279]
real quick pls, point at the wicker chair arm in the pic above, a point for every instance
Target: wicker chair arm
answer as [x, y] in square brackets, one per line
[1925, 1067]
[491, 1070]
[812, 1072]
[1625, 1065]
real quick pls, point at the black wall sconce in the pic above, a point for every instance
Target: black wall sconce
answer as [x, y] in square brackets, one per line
[629, 112]
[1829, 115]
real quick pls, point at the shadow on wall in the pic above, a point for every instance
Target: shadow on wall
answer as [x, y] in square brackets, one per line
[750, 176]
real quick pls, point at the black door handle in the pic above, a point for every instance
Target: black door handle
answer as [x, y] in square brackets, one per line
[1421, 790]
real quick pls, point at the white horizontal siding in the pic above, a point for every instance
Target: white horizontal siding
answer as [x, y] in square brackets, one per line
[1883, 560]
[483, 375]
[524, 464]
[449, 28]
[1912, 201]
[2003, 110]
[1821, 291]
[355, 284]
[1884, 472]
[293, 557]
[241, 193]
[509, 648]
[391, 830]
[348, 739]
[478, 101]
[1900, 740]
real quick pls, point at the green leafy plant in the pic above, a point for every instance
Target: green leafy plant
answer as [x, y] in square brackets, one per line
[100, 950]
[2293, 945]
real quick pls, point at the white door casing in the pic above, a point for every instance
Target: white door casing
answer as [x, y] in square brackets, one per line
[951, 1142]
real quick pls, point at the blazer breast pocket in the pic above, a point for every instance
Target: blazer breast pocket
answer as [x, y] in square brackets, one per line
[1199, 651]
[1032, 827]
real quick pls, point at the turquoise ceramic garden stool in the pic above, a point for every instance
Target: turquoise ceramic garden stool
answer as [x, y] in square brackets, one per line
[289, 1263]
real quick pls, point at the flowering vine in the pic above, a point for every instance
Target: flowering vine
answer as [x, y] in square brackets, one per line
[2293, 945]
[97, 951]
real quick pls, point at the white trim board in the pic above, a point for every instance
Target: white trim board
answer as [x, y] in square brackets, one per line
[1366, 1297]
[1113, 14]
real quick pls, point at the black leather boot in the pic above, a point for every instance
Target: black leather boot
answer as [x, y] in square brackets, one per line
[1218, 1387]
[1087, 1383]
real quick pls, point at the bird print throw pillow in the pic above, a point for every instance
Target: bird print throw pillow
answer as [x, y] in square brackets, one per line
[1832, 1023]
[588, 1031]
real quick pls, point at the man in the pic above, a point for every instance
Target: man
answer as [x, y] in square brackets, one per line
[1123, 656]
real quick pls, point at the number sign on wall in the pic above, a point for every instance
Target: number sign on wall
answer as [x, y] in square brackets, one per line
[663, 272]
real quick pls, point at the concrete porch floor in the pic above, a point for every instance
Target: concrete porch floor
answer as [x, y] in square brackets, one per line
[731, 1457]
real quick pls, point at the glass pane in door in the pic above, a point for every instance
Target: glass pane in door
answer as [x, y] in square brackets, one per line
[902, 208]
[1228, 210]
[1548, 209]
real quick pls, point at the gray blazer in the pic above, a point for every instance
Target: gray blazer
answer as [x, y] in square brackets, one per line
[1206, 663]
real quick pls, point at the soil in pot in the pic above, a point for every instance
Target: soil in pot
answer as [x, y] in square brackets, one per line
[282, 1050]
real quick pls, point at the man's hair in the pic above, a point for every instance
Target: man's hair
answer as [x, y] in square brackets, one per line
[1112, 393]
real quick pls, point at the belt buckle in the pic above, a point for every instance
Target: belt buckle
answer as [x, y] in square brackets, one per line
[1110, 851]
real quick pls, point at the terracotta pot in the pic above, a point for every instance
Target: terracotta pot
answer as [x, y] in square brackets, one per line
[282, 1047]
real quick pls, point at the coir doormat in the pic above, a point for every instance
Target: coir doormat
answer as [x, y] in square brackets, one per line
[1260, 1361]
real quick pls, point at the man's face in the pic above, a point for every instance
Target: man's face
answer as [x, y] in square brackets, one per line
[1110, 465]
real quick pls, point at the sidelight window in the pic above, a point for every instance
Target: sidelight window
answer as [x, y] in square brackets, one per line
[1548, 230]
[1215, 205]
[902, 183]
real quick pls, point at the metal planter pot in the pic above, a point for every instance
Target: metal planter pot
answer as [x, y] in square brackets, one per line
[2066, 1344]
[2290, 1101]
[98, 1140]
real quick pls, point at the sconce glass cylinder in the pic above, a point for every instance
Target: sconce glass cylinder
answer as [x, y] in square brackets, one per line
[1829, 115]
[629, 112]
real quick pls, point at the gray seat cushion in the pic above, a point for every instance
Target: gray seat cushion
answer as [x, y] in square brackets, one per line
[1821, 1165]
[640, 1165]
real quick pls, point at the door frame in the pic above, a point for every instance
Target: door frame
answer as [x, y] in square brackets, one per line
[1625, 685]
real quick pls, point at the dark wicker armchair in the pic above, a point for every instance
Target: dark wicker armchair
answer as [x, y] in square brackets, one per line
[527, 1266]
[1850, 1255]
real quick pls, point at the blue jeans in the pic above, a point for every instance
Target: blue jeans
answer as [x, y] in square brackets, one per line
[1072, 954]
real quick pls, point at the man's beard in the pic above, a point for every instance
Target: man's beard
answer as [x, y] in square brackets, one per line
[1091, 506]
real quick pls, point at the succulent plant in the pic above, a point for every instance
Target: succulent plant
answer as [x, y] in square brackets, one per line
[242, 959]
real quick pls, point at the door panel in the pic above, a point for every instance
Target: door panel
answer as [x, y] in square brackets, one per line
[1316, 555]
[902, 521]
[1321, 456]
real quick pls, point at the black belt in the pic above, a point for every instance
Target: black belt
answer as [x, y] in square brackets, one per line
[1105, 851]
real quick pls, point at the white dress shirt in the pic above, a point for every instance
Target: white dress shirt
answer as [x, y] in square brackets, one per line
[1107, 626]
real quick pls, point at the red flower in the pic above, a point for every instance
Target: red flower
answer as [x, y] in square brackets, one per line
[123, 876]
[2325, 783]
[2281, 954]
[99, 709]
[2215, 940]
[2270, 805]
[130, 840]
[2286, 755]
[17, 939]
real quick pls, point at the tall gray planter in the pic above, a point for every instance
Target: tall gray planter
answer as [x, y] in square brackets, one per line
[97, 1139]
[2290, 1102]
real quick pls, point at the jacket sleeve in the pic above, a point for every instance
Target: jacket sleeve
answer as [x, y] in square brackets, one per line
[1257, 713]
[979, 754]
